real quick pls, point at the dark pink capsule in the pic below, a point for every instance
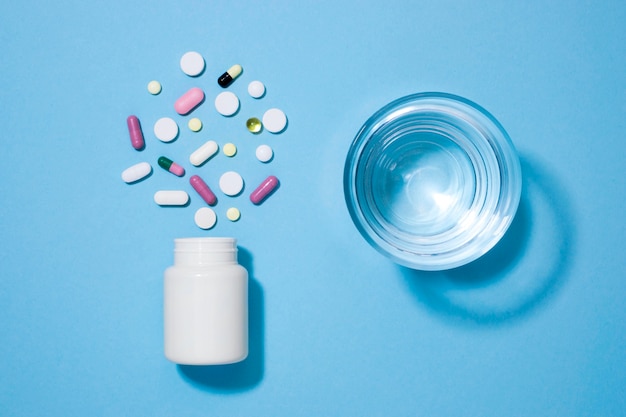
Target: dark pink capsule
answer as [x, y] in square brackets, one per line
[264, 190]
[134, 129]
[201, 188]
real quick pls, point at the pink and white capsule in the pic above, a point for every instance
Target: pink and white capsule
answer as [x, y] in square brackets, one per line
[136, 135]
[264, 190]
[203, 190]
[189, 101]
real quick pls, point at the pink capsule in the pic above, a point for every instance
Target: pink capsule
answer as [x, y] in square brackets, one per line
[189, 101]
[264, 190]
[136, 136]
[205, 192]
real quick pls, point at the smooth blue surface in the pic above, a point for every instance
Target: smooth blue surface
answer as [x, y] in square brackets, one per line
[535, 328]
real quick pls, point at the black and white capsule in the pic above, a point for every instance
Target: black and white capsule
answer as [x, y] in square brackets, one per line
[229, 76]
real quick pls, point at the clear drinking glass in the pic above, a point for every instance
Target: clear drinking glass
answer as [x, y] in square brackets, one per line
[432, 181]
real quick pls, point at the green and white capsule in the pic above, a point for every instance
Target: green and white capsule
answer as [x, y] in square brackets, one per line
[229, 76]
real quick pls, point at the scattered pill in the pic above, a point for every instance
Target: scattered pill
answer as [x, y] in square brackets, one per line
[136, 172]
[229, 76]
[192, 64]
[205, 218]
[195, 124]
[229, 150]
[203, 190]
[233, 214]
[264, 190]
[136, 136]
[256, 89]
[231, 183]
[189, 101]
[171, 198]
[166, 129]
[227, 103]
[154, 87]
[203, 153]
[264, 153]
[274, 120]
[254, 125]
[171, 166]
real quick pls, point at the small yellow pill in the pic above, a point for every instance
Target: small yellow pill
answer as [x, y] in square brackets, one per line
[229, 149]
[233, 214]
[254, 125]
[195, 124]
[154, 87]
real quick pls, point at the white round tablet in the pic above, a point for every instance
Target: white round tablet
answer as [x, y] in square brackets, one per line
[231, 183]
[274, 120]
[226, 103]
[205, 218]
[192, 64]
[256, 89]
[264, 153]
[166, 129]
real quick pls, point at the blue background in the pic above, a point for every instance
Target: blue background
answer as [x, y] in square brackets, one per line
[536, 327]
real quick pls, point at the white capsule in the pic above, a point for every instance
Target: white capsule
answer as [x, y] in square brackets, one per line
[136, 172]
[171, 198]
[203, 153]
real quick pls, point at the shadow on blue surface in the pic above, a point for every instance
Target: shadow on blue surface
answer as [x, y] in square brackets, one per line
[248, 373]
[520, 273]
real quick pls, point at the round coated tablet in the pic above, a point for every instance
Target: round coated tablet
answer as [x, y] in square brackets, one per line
[165, 129]
[205, 218]
[231, 183]
[264, 153]
[154, 87]
[233, 214]
[226, 103]
[256, 89]
[274, 120]
[195, 124]
[192, 64]
[229, 149]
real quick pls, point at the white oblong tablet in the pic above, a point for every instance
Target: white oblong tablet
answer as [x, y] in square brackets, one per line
[165, 129]
[203, 153]
[231, 183]
[274, 120]
[256, 89]
[205, 218]
[171, 198]
[227, 103]
[192, 63]
[264, 153]
[136, 172]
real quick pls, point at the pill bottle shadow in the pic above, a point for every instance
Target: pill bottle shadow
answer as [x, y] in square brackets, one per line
[244, 375]
[520, 274]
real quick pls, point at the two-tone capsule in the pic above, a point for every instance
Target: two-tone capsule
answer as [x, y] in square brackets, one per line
[203, 190]
[263, 191]
[171, 166]
[229, 76]
[136, 135]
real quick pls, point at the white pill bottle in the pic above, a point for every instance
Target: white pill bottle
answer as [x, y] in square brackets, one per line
[205, 303]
